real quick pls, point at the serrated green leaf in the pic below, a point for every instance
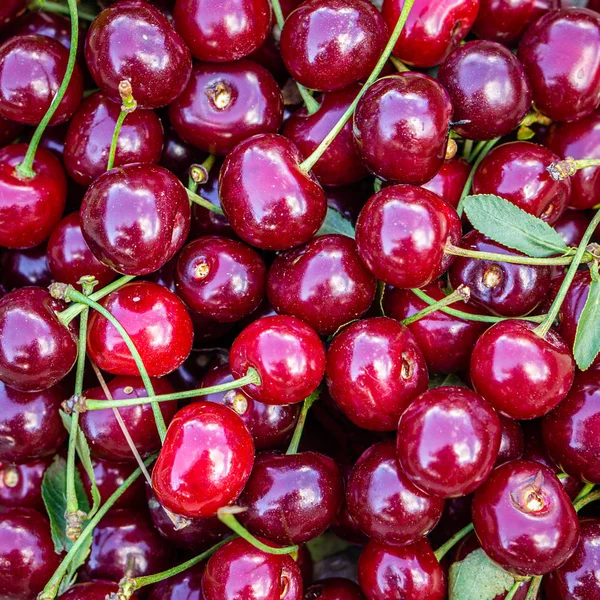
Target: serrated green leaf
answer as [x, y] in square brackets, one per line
[451, 379]
[587, 337]
[326, 545]
[335, 222]
[78, 560]
[478, 578]
[507, 224]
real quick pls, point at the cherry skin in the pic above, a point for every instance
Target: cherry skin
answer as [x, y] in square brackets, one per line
[568, 89]
[512, 442]
[281, 215]
[29, 208]
[323, 282]
[223, 105]
[9, 131]
[92, 590]
[11, 10]
[205, 461]
[52, 25]
[374, 370]
[407, 572]
[473, 74]
[510, 357]
[155, 319]
[135, 42]
[184, 586]
[21, 485]
[287, 354]
[450, 180]
[432, 30]
[571, 226]
[348, 200]
[36, 349]
[334, 588]
[401, 234]
[293, 498]
[408, 113]
[524, 520]
[135, 218]
[239, 571]
[32, 68]
[20, 268]
[27, 557]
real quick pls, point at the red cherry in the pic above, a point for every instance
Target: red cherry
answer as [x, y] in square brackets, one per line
[9, 130]
[20, 268]
[21, 485]
[334, 588]
[92, 590]
[450, 180]
[10, 10]
[184, 586]
[512, 443]
[52, 25]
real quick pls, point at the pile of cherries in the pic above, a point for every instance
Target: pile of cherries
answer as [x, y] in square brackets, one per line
[243, 316]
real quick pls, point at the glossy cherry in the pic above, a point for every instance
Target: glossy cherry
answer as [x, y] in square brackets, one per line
[512, 442]
[334, 588]
[374, 370]
[92, 590]
[21, 485]
[177, 155]
[52, 25]
[184, 586]
[571, 226]
[450, 180]
[11, 10]
[19, 268]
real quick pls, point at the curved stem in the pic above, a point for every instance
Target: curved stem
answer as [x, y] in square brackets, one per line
[587, 499]
[196, 199]
[587, 488]
[513, 590]
[398, 64]
[534, 587]
[115, 139]
[510, 258]
[461, 293]
[467, 149]
[295, 441]
[446, 546]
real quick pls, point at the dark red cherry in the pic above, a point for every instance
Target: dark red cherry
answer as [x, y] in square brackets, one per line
[29, 208]
[518, 172]
[293, 498]
[52, 25]
[450, 180]
[184, 586]
[504, 289]
[92, 590]
[374, 370]
[488, 87]
[334, 588]
[571, 226]
[512, 442]
[32, 68]
[157, 322]
[19, 268]
[102, 429]
[287, 354]
[328, 44]
[524, 520]
[10, 10]
[432, 30]
[53, 140]
[21, 485]
[323, 282]
[407, 572]
[219, 278]
[239, 571]
[36, 349]
[348, 200]
[27, 557]
[278, 216]
[9, 131]
[177, 155]
[510, 357]
[135, 42]
[569, 88]
[223, 105]
[456, 515]
[205, 461]
[401, 234]
[405, 115]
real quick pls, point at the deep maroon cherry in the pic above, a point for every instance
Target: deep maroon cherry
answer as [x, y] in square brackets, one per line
[278, 216]
[512, 443]
[36, 349]
[135, 42]
[488, 87]
[10, 10]
[456, 515]
[348, 200]
[524, 520]
[374, 370]
[184, 586]
[177, 155]
[205, 461]
[52, 25]
[157, 322]
[32, 68]
[334, 588]
[53, 140]
[401, 234]
[19, 268]
[92, 590]
[571, 226]
[510, 357]
[407, 114]
[21, 485]
[287, 354]
[450, 180]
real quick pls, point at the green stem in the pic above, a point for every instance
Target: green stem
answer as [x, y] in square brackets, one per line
[563, 169]
[511, 258]
[310, 162]
[534, 587]
[477, 149]
[399, 65]
[196, 199]
[587, 488]
[513, 590]
[295, 442]
[587, 499]
[199, 173]
[446, 546]
[467, 149]
[60, 9]
[115, 139]
[25, 169]
[461, 293]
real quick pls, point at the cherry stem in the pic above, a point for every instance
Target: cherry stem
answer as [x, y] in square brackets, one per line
[446, 546]
[295, 441]
[467, 149]
[513, 590]
[587, 488]
[128, 106]
[25, 169]
[591, 497]
[199, 173]
[59, 9]
[534, 587]
[398, 64]
[462, 292]
[196, 199]
[566, 168]
[310, 162]
[227, 516]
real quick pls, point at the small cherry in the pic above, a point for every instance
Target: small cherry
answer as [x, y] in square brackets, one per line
[183, 586]
[334, 588]
[512, 442]
[21, 485]
[177, 155]
[92, 590]
[450, 180]
[20, 268]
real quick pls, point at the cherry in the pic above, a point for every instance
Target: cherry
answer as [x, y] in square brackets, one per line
[374, 370]
[512, 442]
[157, 322]
[450, 180]
[19, 268]
[524, 520]
[401, 234]
[29, 208]
[177, 155]
[21, 485]
[184, 586]
[502, 288]
[334, 588]
[572, 226]
[567, 89]
[323, 282]
[36, 349]
[135, 42]
[27, 557]
[52, 25]
[292, 498]
[456, 515]
[223, 105]
[518, 173]
[10, 10]
[32, 68]
[92, 590]
[407, 113]
[348, 200]
[432, 29]
[473, 74]
[287, 354]
[288, 211]
[239, 571]
[407, 572]
[9, 130]
[205, 461]
[510, 357]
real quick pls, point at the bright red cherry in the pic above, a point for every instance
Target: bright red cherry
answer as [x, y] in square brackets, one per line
[92, 590]
[450, 180]
[334, 588]
[19, 268]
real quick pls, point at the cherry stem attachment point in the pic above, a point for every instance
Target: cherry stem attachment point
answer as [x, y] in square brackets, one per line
[462, 292]
[196, 199]
[295, 441]
[566, 168]
[449, 544]
[199, 173]
[128, 106]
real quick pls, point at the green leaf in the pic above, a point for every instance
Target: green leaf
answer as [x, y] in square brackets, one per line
[326, 545]
[587, 337]
[477, 578]
[335, 222]
[452, 379]
[78, 561]
[507, 224]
